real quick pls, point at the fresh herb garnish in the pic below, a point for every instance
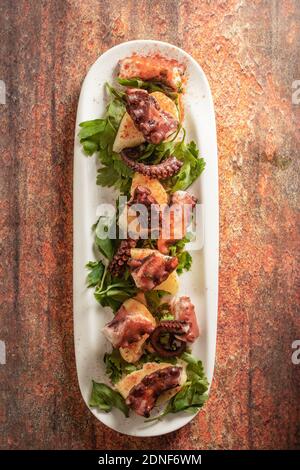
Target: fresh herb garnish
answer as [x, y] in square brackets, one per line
[116, 366]
[192, 167]
[98, 135]
[184, 257]
[103, 241]
[150, 86]
[105, 398]
[153, 298]
[96, 272]
[109, 292]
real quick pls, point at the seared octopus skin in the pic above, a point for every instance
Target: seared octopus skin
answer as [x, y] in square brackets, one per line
[143, 396]
[155, 124]
[163, 170]
[154, 68]
[142, 195]
[152, 270]
[175, 345]
[127, 327]
[183, 202]
[118, 264]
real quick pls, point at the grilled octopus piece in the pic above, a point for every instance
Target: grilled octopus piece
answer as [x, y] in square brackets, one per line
[163, 170]
[184, 310]
[152, 270]
[127, 328]
[181, 205]
[154, 68]
[174, 346]
[118, 264]
[142, 195]
[143, 396]
[155, 124]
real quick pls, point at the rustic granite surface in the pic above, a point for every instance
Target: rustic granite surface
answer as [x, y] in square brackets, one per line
[250, 53]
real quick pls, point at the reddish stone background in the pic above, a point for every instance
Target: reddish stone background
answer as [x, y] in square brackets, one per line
[250, 53]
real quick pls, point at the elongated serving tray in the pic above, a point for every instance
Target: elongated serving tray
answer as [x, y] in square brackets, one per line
[201, 283]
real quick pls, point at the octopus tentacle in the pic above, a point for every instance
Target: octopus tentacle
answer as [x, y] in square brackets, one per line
[154, 123]
[118, 264]
[175, 345]
[163, 170]
[143, 396]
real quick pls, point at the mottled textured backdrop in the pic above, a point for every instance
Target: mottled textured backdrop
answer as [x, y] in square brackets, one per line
[249, 51]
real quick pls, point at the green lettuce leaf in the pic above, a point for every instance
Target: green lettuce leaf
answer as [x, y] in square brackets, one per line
[109, 292]
[98, 135]
[105, 398]
[150, 86]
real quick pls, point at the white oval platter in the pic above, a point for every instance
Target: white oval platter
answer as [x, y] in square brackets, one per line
[201, 283]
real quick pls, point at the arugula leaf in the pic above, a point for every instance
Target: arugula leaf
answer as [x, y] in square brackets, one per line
[116, 366]
[150, 86]
[153, 357]
[90, 128]
[113, 292]
[105, 398]
[109, 291]
[96, 272]
[104, 244]
[184, 262]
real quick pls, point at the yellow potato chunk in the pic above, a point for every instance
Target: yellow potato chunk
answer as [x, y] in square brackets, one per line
[128, 135]
[166, 103]
[134, 351]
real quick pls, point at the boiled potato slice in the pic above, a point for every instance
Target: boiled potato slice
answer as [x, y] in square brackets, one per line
[134, 351]
[140, 253]
[129, 136]
[156, 188]
[135, 307]
[125, 385]
[140, 297]
[171, 284]
[166, 103]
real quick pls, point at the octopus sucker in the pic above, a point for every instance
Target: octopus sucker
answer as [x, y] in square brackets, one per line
[163, 170]
[174, 346]
[118, 264]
